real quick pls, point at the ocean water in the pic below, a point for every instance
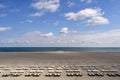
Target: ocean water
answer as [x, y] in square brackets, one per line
[44, 49]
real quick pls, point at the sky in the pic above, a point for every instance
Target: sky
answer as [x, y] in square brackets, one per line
[59, 23]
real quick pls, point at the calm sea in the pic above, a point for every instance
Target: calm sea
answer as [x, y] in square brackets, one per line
[42, 49]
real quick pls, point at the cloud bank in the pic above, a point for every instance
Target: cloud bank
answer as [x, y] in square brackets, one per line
[80, 39]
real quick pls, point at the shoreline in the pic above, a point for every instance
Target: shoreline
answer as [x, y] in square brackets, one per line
[60, 51]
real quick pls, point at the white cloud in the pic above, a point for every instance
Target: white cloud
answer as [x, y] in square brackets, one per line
[26, 21]
[97, 20]
[87, 1]
[35, 34]
[48, 5]
[64, 30]
[5, 28]
[47, 34]
[37, 14]
[90, 14]
[2, 6]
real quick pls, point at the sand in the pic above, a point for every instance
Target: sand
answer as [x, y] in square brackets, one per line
[14, 59]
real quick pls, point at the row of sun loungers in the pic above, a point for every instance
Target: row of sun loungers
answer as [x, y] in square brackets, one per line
[56, 71]
[32, 74]
[102, 74]
[74, 74]
[59, 74]
[53, 74]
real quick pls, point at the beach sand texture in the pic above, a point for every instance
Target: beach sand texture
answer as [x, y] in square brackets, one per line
[13, 59]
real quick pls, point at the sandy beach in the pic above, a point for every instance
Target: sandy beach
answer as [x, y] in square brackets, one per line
[57, 59]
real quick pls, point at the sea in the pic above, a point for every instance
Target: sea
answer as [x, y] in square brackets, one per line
[59, 49]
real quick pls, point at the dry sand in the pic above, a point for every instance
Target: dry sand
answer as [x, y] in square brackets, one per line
[57, 59]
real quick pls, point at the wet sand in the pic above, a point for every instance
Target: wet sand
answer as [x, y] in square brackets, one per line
[57, 59]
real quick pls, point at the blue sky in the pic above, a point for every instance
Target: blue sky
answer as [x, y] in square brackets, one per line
[70, 23]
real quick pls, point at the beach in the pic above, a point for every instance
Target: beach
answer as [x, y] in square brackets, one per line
[57, 59]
